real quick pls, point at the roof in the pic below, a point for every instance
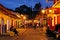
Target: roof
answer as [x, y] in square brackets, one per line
[57, 4]
[8, 12]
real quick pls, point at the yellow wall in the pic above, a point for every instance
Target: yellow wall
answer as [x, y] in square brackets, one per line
[52, 16]
[5, 17]
[8, 20]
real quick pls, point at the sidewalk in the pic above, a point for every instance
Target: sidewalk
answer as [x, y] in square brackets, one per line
[21, 31]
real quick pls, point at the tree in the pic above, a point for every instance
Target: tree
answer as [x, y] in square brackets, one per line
[28, 10]
[37, 9]
[22, 9]
[37, 6]
[46, 7]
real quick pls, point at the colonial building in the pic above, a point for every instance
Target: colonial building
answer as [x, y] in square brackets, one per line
[8, 18]
[54, 14]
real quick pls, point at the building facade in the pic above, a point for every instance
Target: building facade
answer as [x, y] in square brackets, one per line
[54, 15]
[8, 18]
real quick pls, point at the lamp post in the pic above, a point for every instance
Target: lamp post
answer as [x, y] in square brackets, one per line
[45, 18]
[44, 12]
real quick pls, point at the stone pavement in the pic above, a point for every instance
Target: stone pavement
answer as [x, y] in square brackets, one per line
[28, 34]
[33, 34]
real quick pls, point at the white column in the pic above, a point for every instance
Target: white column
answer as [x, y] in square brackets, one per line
[55, 20]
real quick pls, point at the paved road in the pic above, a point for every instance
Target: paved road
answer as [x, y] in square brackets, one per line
[29, 34]
[35, 34]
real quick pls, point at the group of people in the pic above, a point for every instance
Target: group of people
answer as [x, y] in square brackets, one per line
[14, 30]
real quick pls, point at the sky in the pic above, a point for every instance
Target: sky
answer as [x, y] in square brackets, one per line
[12, 4]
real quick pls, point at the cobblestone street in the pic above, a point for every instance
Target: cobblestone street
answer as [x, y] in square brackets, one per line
[28, 34]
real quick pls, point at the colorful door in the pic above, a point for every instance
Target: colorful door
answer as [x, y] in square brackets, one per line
[58, 19]
[50, 22]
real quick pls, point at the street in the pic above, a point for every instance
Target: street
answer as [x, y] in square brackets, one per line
[30, 20]
[28, 34]
[33, 34]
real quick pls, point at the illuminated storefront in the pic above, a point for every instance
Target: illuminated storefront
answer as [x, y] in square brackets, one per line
[54, 14]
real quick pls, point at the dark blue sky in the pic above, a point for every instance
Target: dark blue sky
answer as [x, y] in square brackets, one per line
[12, 4]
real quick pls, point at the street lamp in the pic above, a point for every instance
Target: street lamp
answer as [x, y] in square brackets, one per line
[45, 17]
[43, 11]
[24, 17]
[51, 11]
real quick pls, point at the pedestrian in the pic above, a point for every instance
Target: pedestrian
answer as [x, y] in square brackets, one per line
[37, 26]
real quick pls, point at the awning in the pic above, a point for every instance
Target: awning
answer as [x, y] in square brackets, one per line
[53, 10]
